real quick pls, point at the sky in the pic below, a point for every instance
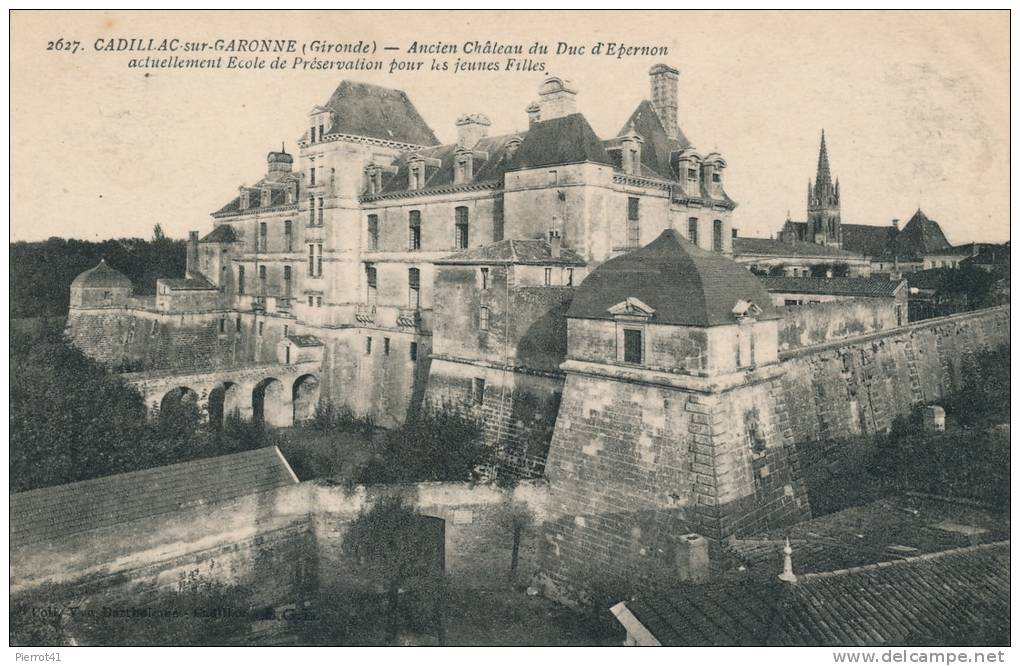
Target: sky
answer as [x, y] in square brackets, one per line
[915, 108]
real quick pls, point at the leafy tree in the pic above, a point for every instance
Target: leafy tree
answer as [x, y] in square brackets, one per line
[391, 545]
[157, 233]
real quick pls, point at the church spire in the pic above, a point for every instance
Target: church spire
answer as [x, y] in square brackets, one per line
[823, 164]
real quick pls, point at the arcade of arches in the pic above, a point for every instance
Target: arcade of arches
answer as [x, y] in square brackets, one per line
[278, 402]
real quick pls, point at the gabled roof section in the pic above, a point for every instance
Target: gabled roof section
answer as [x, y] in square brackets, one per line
[364, 109]
[565, 140]
[47, 514]
[837, 286]
[684, 284]
[514, 251]
[199, 283]
[223, 233]
[657, 147]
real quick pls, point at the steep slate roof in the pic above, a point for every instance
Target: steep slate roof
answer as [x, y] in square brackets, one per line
[102, 277]
[684, 284]
[277, 198]
[51, 513]
[836, 286]
[769, 247]
[364, 109]
[485, 169]
[223, 233]
[655, 151]
[514, 251]
[565, 140]
[914, 601]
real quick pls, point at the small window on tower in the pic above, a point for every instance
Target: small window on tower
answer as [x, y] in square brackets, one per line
[548, 276]
[368, 346]
[414, 351]
[716, 178]
[483, 318]
[484, 274]
[478, 391]
[386, 346]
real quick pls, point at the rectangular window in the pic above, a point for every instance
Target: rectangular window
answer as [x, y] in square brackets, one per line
[386, 346]
[237, 325]
[311, 134]
[286, 281]
[692, 174]
[692, 230]
[483, 319]
[262, 326]
[716, 178]
[223, 324]
[413, 288]
[263, 237]
[262, 280]
[717, 235]
[373, 232]
[318, 301]
[311, 261]
[322, 131]
[311, 301]
[478, 391]
[497, 219]
[631, 346]
[240, 280]
[414, 230]
[368, 346]
[548, 276]
[311, 176]
[288, 235]
[484, 274]
[311, 211]
[414, 351]
[318, 260]
[552, 178]
[569, 279]
[320, 211]
[461, 227]
[370, 281]
[633, 223]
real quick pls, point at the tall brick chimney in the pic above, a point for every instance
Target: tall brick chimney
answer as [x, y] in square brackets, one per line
[191, 258]
[664, 97]
[556, 98]
[472, 128]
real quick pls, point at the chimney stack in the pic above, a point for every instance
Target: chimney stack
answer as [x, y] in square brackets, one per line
[664, 97]
[556, 98]
[692, 561]
[788, 576]
[191, 258]
[555, 242]
[472, 128]
[534, 113]
[896, 223]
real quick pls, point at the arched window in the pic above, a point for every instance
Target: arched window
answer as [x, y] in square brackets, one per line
[461, 225]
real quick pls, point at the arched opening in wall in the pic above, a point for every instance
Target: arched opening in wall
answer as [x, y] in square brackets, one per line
[270, 404]
[179, 407]
[305, 397]
[224, 402]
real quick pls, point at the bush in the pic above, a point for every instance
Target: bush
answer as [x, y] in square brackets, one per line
[440, 445]
[330, 417]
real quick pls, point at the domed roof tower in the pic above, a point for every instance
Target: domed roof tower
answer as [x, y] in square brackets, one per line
[101, 286]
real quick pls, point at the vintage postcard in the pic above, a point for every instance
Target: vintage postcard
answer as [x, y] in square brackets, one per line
[537, 328]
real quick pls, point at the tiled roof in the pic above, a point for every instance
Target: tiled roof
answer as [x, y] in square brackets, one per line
[836, 286]
[683, 283]
[866, 239]
[364, 109]
[919, 600]
[920, 236]
[565, 140]
[305, 340]
[223, 233]
[102, 276]
[515, 251]
[775, 248]
[995, 255]
[51, 513]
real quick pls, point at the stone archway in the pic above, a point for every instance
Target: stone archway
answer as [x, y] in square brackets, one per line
[225, 400]
[270, 403]
[305, 396]
[179, 405]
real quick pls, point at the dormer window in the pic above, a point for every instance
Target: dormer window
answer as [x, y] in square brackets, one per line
[463, 167]
[292, 192]
[243, 203]
[511, 148]
[632, 317]
[373, 179]
[692, 173]
[266, 197]
[416, 175]
[716, 178]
